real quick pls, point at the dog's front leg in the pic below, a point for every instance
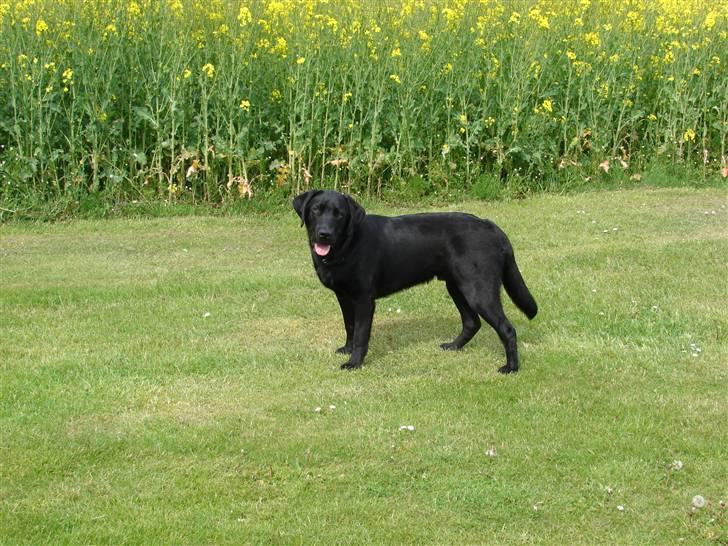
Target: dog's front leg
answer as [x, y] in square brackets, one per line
[347, 310]
[363, 314]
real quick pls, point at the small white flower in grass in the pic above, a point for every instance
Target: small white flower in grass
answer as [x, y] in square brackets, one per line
[491, 452]
[699, 501]
[409, 428]
[399, 310]
[609, 490]
[620, 507]
[675, 465]
[317, 410]
[206, 315]
[332, 407]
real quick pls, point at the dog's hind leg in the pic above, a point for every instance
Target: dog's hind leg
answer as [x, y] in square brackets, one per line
[487, 302]
[471, 320]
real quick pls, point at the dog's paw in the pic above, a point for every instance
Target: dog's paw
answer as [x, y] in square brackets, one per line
[345, 350]
[507, 369]
[350, 366]
[449, 347]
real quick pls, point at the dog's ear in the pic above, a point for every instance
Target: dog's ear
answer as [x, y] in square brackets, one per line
[356, 214]
[300, 203]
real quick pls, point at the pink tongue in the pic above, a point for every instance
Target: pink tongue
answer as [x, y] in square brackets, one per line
[321, 250]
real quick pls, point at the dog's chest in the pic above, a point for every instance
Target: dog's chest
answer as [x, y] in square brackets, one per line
[333, 277]
[325, 276]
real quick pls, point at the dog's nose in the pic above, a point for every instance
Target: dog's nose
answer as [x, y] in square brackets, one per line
[324, 235]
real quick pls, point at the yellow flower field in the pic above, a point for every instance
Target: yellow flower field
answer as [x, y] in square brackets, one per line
[125, 96]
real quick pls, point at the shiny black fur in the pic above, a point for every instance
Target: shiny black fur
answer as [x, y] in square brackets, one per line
[373, 256]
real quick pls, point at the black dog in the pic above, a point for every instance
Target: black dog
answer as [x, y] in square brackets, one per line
[362, 257]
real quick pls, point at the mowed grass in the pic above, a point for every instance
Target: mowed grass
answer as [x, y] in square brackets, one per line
[159, 381]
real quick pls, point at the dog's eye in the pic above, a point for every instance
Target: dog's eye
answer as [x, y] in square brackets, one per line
[316, 210]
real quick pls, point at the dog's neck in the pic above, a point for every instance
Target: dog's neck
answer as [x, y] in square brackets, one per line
[331, 261]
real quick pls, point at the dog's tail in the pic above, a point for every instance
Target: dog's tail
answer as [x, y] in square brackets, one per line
[516, 287]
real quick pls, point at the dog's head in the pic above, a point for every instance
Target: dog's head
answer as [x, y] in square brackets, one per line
[330, 217]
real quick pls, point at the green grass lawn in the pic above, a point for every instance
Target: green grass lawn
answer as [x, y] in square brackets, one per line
[159, 381]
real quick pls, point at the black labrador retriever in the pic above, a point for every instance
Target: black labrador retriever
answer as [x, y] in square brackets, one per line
[362, 257]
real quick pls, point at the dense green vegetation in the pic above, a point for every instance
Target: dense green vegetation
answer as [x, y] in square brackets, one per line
[183, 100]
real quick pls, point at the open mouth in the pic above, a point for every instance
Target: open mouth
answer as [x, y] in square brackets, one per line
[321, 249]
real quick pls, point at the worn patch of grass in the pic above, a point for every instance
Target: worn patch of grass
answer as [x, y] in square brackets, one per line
[159, 379]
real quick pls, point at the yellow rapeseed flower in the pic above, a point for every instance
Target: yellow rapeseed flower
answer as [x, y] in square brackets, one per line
[689, 136]
[276, 9]
[40, 27]
[209, 70]
[592, 38]
[710, 19]
[536, 15]
[176, 6]
[134, 10]
[245, 105]
[280, 47]
[426, 39]
[244, 16]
